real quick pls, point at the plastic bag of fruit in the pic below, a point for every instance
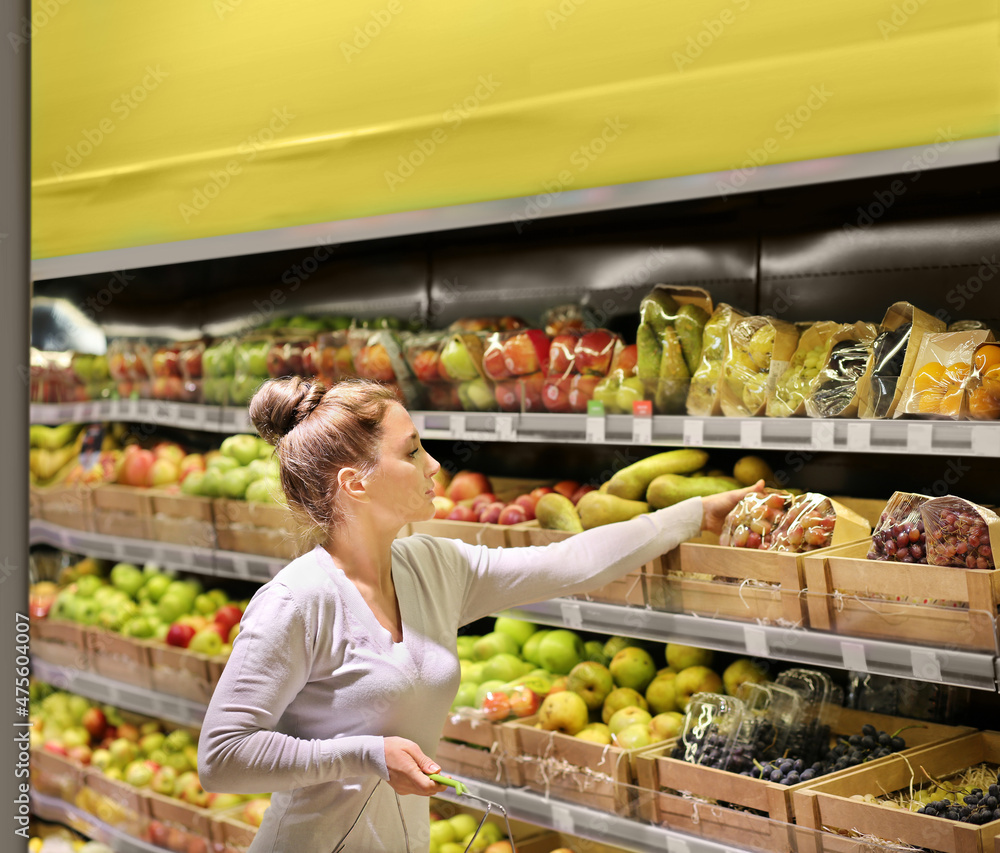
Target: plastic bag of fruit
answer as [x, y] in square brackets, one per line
[899, 534]
[834, 394]
[378, 355]
[780, 521]
[808, 524]
[798, 380]
[487, 324]
[752, 522]
[563, 318]
[942, 371]
[959, 533]
[218, 369]
[461, 363]
[578, 361]
[703, 394]
[894, 352]
[516, 362]
[983, 388]
[252, 365]
[334, 355]
[668, 342]
[759, 351]
[423, 354]
[622, 387]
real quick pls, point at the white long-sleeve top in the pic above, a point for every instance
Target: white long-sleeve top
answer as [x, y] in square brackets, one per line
[315, 683]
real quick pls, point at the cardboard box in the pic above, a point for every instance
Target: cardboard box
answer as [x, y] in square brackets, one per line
[845, 596]
[67, 506]
[826, 802]
[655, 770]
[120, 658]
[59, 643]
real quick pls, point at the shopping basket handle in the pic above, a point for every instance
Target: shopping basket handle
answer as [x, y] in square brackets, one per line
[451, 783]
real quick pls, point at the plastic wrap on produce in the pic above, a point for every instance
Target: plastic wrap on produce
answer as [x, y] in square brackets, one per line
[938, 387]
[800, 378]
[779, 521]
[712, 724]
[252, 365]
[578, 363]
[622, 387]
[899, 534]
[759, 351]
[959, 533]
[703, 393]
[836, 391]
[517, 361]
[983, 389]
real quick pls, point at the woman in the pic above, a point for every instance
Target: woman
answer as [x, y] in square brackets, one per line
[345, 666]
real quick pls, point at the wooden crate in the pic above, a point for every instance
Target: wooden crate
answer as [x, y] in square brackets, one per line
[253, 528]
[844, 592]
[182, 519]
[123, 524]
[59, 643]
[117, 804]
[230, 834]
[55, 776]
[120, 658]
[177, 825]
[471, 532]
[826, 802]
[479, 744]
[68, 506]
[179, 672]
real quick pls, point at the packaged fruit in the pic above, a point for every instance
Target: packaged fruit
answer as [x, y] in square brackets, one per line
[334, 356]
[835, 393]
[809, 736]
[808, 524]
[564, 318]
[191, 356]
[487, 324]
[758, 353]
[799, 379]
[250, 366]
[461, 363]
[517, 361]
[622, 387]
[959, 533]
[770, 713]
[779, 521]
[983, 387]
[942, 373]
[712, 724]
[894, 352]
[899, 534]
[752, 522]
[423, 354]
[703, 393]
[578, 361]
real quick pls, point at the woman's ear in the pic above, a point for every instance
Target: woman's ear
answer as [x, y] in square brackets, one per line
[351, 485]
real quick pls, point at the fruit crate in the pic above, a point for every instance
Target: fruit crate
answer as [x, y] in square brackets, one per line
[565, 767]
[177, 825]
[68, 506]
[125, 511]
[230, 833]
[183, 673]
[629, 589]
[551, 841]
[120, 658]
[655, 769]
[253, 528]
[183, 519]
[60, 643]
[826, 803]
[470, 532]
[55, 775]
[848, 594]
[114, 803]
[471, 746]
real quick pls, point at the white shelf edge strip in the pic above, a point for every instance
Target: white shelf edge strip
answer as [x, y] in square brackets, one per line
[774, 176]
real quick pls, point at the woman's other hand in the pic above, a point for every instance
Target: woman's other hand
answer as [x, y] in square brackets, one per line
[409, 768]
[715, 508]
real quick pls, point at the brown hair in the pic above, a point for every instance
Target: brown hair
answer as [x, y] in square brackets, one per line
[317, 431]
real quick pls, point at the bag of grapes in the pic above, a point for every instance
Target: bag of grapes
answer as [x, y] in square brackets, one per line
[668, 341]
[893, 355]
[984, 384]
[899, 534]
[703, 393]
[959, 533]
[938, 386]
[799, 379]
[760, 349]
[712, 723]
[835, 393]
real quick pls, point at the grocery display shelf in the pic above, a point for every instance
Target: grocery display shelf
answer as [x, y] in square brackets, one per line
[57, 811]
[978, 670]
[224, 564]
[949, 438]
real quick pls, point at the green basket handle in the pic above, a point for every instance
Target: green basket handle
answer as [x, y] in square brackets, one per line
[451, 783]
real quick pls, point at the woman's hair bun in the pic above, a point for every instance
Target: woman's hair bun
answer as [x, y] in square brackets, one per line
[280, 405]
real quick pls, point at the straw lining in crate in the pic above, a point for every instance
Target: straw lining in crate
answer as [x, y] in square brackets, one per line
[849, 594]
[826, 803]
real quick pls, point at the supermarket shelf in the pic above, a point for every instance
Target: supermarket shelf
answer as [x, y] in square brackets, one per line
[978, 670]
[223, 564]
[804, 434]
[57, 811]
[121, 695]
[451, 217]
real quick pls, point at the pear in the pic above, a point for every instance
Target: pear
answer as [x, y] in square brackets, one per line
[632, 481]
[596, 509]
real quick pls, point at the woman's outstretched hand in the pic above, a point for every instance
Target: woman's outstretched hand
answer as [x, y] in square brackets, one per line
[409, 768]
[715, 508]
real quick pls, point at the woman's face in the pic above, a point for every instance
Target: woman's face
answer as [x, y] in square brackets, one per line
[403, 481]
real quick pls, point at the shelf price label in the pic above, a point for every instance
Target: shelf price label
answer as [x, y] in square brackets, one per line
[562, 819]
[595, 427]
[504, 427]
[572, 614]
[751, 433]
[821, 437]
[859, 436]
[926, 665]
[456, 426]
[854, 656]
[694, 432]
[677, 845]
[985, 440]
[755, 638]
[919, 438]
[642, 422]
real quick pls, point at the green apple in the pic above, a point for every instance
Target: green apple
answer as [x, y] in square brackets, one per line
[221, 463]
[75, 736]
[261, 491]
[62, 607]
[87, 585]
[661, 693]
[463, 824]
[149, 743]
[218, 802]
[172, 606]
[494, 643]
[615, 644]
[466, 695]
[633, 667]
[695, 679]
[465, 647]
[564, 711]
[101, 759]
[635, 736]
[520, 630]
[78, 706]
[206, 642]
[504, 666]
[194, 484]
[681, 657]
[631, 390]
[177, 740]
[592, 681]
[457, 362]
[158, 756]
[486, 687]
[477, 395]
[741, 671]
[242, 448]
[529, 651]
[234, 483]
[560, 650]
[473, 670]
[123, 752]
[140, 627]
[595, 733]
[156, 586]
[138, 774]
[667, 725]
[607, 391]
[211, 482]
[622, 697]
[205, 604]
[627, 717]
[179, 761]
[86, 611]
[128, 578]
[257, 469]
[164, 781]
[220, 596]
[594, 651]
[442, 832]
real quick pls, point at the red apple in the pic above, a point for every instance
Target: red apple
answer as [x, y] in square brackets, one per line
[581, 392]
[594, 351]
[462, 513]
[373, 363]
[191, 362]
[480, 501]
[506, 396]
[442, 506]
[179, 634]
[166, 363]
[526, 352]
[529, 390]
[227, 616]
[490, 513]
[494, 365]
[561, 352]
[162, 472]
[537, 493]
[425, 366]
[496, 706]
[468, 484]
[566, 488]
[627, 359]
[579, 493]
[56, 747]
[527, 502]
[81, 753]
[136, 466]
[524, 701]
[555, 394]
[513, 514]
[94, 721]
[129, 732]
[158, 833]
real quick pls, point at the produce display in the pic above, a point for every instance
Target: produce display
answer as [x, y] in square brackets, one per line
[780, 521]
[578, 362]
[798, 381]
[757, 355]
[462, 832]
[958, 533]
[942, 373]
[899, 534]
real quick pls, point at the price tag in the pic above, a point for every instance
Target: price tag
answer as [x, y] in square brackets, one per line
[241, 566]
[572, 614]
[755, 639]
[854, 656]
[986, 441]
[919, 438]
[694, 433]
[642, 430]
[822, 435]
[926, 665]
[751, 433]
[677, 845]
[642, 408]
[859, 436]
[505, 428]
[562, 819]
[456, 425]
[595, 430]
